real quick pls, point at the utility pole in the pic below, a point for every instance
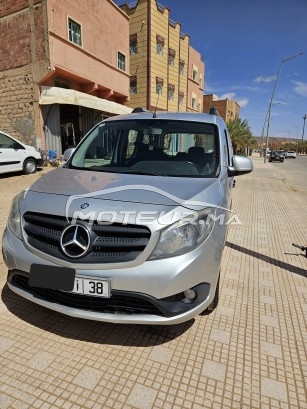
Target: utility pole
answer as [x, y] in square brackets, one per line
[304, 117]
[284, 60]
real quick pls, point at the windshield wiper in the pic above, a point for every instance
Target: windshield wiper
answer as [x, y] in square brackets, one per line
[143, 172]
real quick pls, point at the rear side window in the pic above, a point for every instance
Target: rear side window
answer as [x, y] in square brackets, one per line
[6, 142]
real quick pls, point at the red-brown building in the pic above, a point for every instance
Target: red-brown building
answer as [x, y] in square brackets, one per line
[227, 108]
[63, 66]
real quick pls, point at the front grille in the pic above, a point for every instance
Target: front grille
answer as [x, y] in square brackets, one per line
[118, 303]
[109, 243]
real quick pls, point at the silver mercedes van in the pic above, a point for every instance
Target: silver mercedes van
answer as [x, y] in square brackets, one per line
[132, 228]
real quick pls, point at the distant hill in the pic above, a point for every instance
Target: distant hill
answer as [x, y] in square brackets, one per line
[279, 140]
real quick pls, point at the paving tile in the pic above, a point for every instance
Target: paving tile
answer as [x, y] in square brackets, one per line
[269, 321]
[271, 349]
[6, 401]
[142, 397]
[304, 307]
[214, 370]
[267, 299]
[87, 377]
[223, 310]
[273, 389]
[267, 283]
[41, 360]
[161, 354]
[5, 343]
[232, 292]
[220, 336]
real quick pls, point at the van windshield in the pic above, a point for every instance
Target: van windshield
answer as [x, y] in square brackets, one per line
[152, 147]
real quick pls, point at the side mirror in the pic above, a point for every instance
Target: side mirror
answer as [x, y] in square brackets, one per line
[67, 154]
[240, 166]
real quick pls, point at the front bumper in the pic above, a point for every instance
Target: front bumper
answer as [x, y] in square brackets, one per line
[40, 162]
[149, 293]
[122, 306]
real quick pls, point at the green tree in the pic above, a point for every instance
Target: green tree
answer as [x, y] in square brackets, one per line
[241, 136]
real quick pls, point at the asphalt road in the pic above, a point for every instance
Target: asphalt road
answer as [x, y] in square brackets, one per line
[294, 172]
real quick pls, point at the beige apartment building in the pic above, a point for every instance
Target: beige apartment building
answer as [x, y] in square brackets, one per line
[64, 65]
[166, 72]
[227, 108]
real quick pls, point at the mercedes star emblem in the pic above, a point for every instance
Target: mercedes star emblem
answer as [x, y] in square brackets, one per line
[75, 240]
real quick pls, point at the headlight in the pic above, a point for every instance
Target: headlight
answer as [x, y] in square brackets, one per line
[184, 235]
[14, 220]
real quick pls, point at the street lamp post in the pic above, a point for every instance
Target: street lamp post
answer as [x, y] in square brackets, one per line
[294, 126]
[262, 133]
[304, 117]
[272, 98]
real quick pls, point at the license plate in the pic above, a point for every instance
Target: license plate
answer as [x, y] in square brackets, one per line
[92, 286]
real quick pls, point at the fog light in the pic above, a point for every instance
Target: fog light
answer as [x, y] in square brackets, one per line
[189, 294]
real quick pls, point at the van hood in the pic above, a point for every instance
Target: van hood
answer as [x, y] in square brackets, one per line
[81, 185]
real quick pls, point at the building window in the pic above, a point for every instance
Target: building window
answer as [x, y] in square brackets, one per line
[159, 89]
[74, 32]
[181, 98]
[159, 49]
[171, 57]
[121, 61]
[171, 92]
[181, 67]
[194, 75]
[194, 103]
[133, 44]
[159, 85]
[133, 85]
[160, 44]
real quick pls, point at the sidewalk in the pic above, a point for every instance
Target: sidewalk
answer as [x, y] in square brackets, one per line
[249, 353]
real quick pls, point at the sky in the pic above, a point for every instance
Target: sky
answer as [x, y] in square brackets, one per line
[243, 44]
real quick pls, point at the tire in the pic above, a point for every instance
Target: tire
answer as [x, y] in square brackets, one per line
[216, 298]
[29, 166]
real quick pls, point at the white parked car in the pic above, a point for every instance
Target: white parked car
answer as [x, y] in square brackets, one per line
[291, 154]
[16, 156]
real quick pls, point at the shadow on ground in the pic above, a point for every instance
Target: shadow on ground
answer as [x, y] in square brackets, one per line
[87, 330]
[286, 266]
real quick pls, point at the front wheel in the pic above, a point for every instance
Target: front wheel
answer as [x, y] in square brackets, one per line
[29, 166]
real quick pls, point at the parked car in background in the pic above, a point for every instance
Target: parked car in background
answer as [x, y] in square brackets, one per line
[16, 156]
[277, 156]
[291, 154]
